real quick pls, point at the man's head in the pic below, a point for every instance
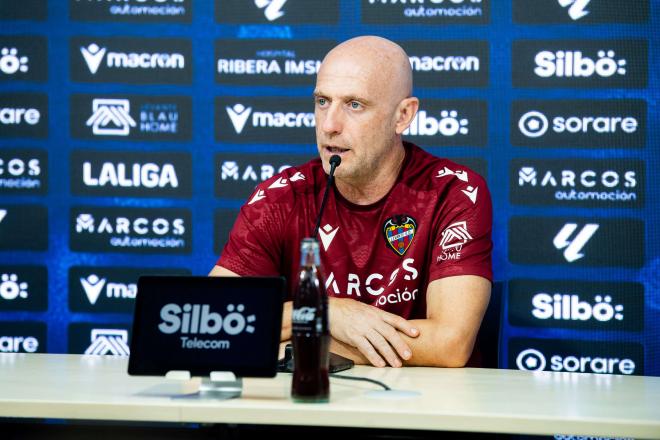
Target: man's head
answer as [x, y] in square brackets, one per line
[363, 102]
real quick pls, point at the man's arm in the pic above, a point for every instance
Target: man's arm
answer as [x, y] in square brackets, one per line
[455, 308]
[285, 335]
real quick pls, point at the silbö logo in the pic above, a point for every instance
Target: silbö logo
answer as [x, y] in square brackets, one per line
[198, 319]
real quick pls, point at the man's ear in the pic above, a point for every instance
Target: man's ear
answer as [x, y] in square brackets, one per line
[405, 113]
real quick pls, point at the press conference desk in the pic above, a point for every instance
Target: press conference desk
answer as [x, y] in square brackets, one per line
[476, 400]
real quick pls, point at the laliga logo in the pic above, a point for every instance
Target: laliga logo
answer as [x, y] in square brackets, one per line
[198, 319]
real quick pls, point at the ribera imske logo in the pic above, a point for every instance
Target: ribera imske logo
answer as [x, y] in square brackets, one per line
[23, 171]
[420, 12]
[133, 11]
[23, 58]
[581, 11]
[277, 12]
[271, 62]
[131, 117]
[133, 230]
[582, 305]
[615, 123]
[577, 241]
[580, 63]
[131, 173]
[23, 115]
[578, 182]
[131, 60]
[109, 289]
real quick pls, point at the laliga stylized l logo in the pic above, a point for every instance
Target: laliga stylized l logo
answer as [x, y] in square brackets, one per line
[573, 248]
[577, 8]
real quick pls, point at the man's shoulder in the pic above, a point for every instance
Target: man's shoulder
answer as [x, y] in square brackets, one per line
[426, 172]
[286, 185]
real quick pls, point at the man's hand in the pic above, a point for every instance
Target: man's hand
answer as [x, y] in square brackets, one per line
[374, 332]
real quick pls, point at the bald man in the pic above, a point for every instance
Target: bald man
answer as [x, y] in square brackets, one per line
[405, 236]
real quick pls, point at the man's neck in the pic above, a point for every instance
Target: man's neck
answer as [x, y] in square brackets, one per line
[375, 186]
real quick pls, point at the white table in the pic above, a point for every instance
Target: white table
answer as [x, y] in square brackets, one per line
[476, 400]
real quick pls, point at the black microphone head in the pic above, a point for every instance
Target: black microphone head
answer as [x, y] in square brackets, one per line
[335, 160]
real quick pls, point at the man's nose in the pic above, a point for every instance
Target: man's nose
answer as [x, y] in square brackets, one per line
[332, 120]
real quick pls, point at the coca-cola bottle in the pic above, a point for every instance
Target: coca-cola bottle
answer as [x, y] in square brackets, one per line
[309, 333]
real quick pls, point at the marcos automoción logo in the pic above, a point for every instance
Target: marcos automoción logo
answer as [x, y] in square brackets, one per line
[133, 230]
[578, 182]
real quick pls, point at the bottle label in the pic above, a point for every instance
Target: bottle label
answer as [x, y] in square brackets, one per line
[303, 319]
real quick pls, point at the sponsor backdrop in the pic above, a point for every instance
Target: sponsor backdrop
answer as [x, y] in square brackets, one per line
[131, 131]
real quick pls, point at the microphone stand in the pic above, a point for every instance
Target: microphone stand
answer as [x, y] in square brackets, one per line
[335, 161]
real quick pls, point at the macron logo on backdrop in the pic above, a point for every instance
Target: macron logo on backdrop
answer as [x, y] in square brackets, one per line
[239, 115]
[93, 55]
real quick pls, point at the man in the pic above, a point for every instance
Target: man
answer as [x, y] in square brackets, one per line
[405, 236]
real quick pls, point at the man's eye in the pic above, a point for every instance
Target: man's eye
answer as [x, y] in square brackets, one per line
[355, 105]
[321, 101]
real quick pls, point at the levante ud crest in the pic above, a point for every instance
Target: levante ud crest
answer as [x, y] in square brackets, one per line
[399, 232]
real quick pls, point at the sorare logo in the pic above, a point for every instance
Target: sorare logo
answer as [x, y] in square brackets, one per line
[131, 117]
[579, 242]
[23, 58]
[448, 63]
[131, 60]
[581, 11]
[23, 171]
[237, 174]
[432, 12]
[580, 63]
[108, 289]
[588, 123]
[22, 337]
[580, 305]
[588, 183]
[23, 227]
[131, 230]
[23, 288]
[132, 11]
[277, 12]
[576, 356]
[131, 173]
[269, 62]
[23, 115]
[450, 123]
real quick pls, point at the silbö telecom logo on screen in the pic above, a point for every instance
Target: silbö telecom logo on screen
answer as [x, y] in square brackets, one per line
[192, 320]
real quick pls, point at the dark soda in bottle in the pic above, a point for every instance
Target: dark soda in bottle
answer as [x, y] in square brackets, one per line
[310, 334]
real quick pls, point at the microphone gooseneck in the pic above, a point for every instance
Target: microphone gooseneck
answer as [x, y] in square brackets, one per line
[335, 161]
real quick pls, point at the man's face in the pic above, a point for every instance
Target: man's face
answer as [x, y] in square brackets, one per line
[355, 117]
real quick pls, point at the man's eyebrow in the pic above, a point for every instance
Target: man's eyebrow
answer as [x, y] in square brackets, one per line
[346, 98]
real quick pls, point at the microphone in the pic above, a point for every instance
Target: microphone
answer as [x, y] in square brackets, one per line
[335, 161]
